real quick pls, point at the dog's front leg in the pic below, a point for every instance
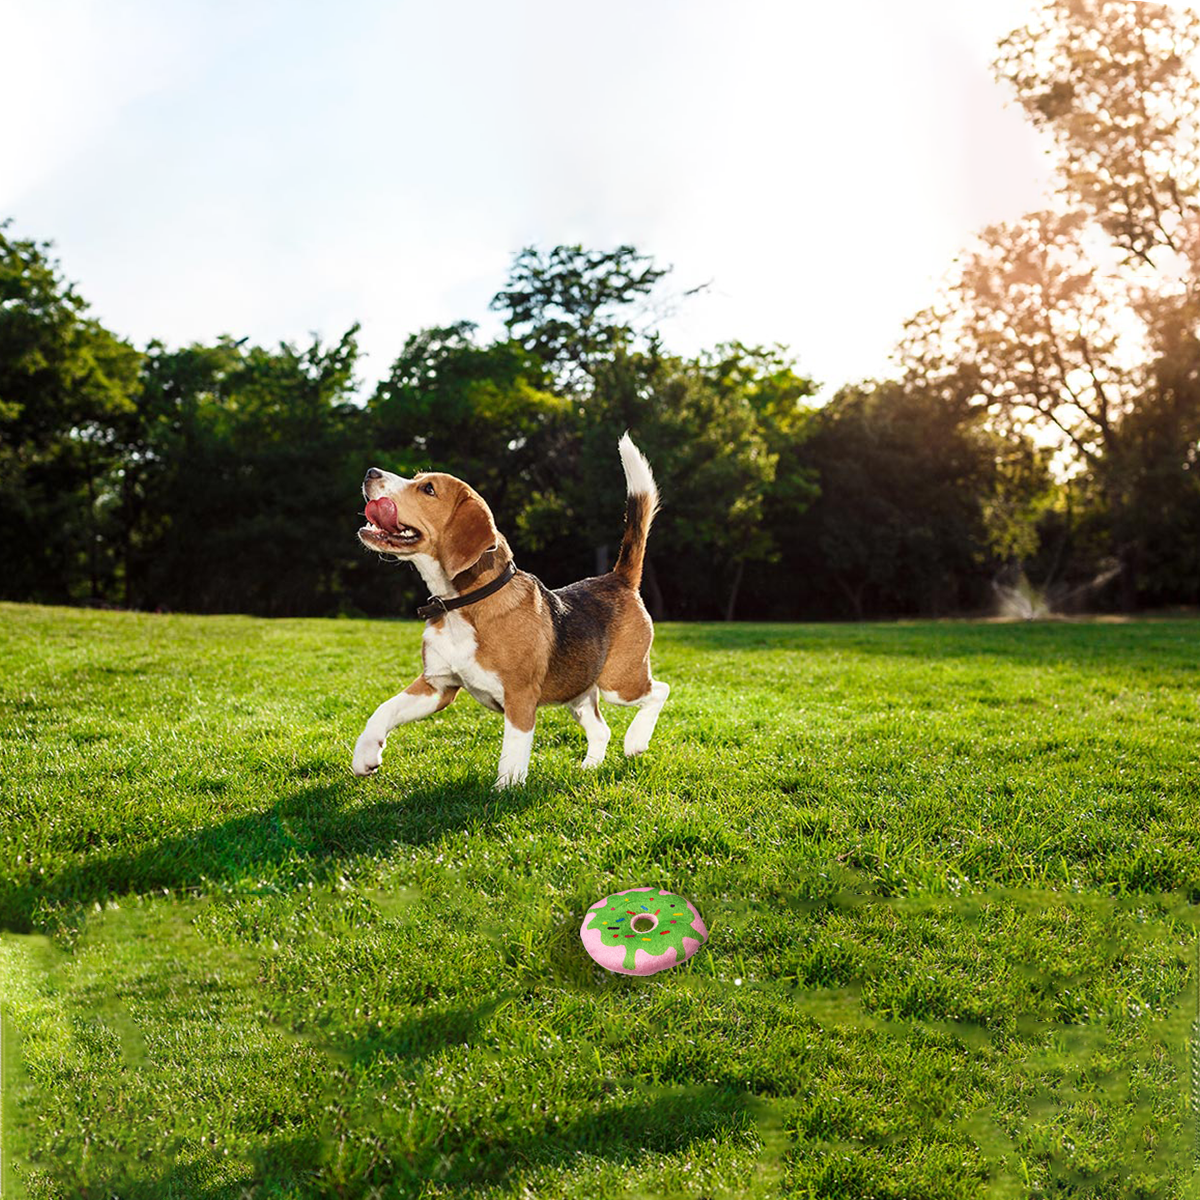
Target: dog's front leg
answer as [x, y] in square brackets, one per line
[520, 715]
[420, 699]
[586, 710]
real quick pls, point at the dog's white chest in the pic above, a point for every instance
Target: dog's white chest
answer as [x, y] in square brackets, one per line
[448, 649]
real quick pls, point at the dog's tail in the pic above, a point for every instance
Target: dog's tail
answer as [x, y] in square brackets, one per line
[640, 508]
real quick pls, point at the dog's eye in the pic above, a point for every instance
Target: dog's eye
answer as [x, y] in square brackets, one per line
[427, 488]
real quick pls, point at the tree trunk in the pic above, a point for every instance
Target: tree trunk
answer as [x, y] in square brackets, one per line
[1130, 557]
[93, 553]
[127, 536]
[854, 595]
[733, 591]
[651, 592]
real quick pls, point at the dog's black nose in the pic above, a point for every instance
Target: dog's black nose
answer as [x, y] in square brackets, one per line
[374, 473]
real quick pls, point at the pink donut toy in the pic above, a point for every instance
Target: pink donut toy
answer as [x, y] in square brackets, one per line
[641, 931]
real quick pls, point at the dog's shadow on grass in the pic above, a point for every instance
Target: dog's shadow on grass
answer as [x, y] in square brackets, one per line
[666, 1122]
[305, 835]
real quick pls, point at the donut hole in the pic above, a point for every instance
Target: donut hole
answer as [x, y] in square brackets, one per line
[642, 923]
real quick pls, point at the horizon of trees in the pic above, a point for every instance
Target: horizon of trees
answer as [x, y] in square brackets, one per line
[1044, 420]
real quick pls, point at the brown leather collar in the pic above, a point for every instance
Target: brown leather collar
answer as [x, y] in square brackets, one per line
[437, 607]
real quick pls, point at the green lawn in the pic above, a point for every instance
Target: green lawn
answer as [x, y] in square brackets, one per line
[951, 873]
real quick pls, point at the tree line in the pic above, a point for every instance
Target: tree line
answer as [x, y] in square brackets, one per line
[1043, 419]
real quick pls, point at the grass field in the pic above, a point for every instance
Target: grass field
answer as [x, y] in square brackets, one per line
[951, 873]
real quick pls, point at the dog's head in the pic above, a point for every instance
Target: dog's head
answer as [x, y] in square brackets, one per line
[432, 514]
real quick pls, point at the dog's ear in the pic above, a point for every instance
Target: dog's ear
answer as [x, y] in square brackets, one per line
[469, 535]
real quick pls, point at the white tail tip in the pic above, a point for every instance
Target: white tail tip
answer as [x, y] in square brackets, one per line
[639, 479]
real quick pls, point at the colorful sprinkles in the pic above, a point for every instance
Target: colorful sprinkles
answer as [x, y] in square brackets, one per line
[675, 934]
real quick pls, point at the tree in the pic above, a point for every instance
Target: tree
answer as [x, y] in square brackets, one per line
[900, 524]
[1113, 84]
[1037, 335]
[483, 411]
[698, 424]
[1043, 325]
[1162, 436]
[1031, 329]
[1022, 492]
[781, 399]
[169, 455]
[64, 382]
[715, 429]
[246, 453]
[568, 306]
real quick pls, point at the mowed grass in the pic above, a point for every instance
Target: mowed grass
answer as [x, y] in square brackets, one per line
[951, 873]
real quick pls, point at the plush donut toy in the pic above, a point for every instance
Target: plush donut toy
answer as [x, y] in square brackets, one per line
[641, 931]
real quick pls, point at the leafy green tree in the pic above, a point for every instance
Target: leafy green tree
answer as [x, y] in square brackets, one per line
[248, 451]
[1023, 490]
[168, 451]
[570, 306]
[1161, 516]
[705, 438]
[65, 381]
[781, 400]
[485, 412]
[900, 524]
[715, 429]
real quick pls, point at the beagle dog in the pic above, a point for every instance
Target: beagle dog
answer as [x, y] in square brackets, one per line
[498, 632]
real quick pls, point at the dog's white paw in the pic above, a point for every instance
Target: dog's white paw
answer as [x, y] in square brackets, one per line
[368, 754]
[508, 779]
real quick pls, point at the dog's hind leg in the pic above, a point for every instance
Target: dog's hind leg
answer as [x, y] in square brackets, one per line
[419, 700]
[586, 710]
[637, 736]
[649, 704]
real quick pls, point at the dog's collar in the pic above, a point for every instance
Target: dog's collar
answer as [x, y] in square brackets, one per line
[437, 607]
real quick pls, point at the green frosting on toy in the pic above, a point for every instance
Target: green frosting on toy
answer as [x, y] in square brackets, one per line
[674, 923]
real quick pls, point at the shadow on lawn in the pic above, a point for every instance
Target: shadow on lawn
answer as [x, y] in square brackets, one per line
[410, 1042]
[285, 1167]
[667, 1122]
[462, 1160]
[314, 829]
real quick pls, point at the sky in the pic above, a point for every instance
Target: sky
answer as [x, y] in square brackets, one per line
[274, 169]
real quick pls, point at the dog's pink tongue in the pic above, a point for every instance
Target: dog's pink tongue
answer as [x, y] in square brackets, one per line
[382, 513]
